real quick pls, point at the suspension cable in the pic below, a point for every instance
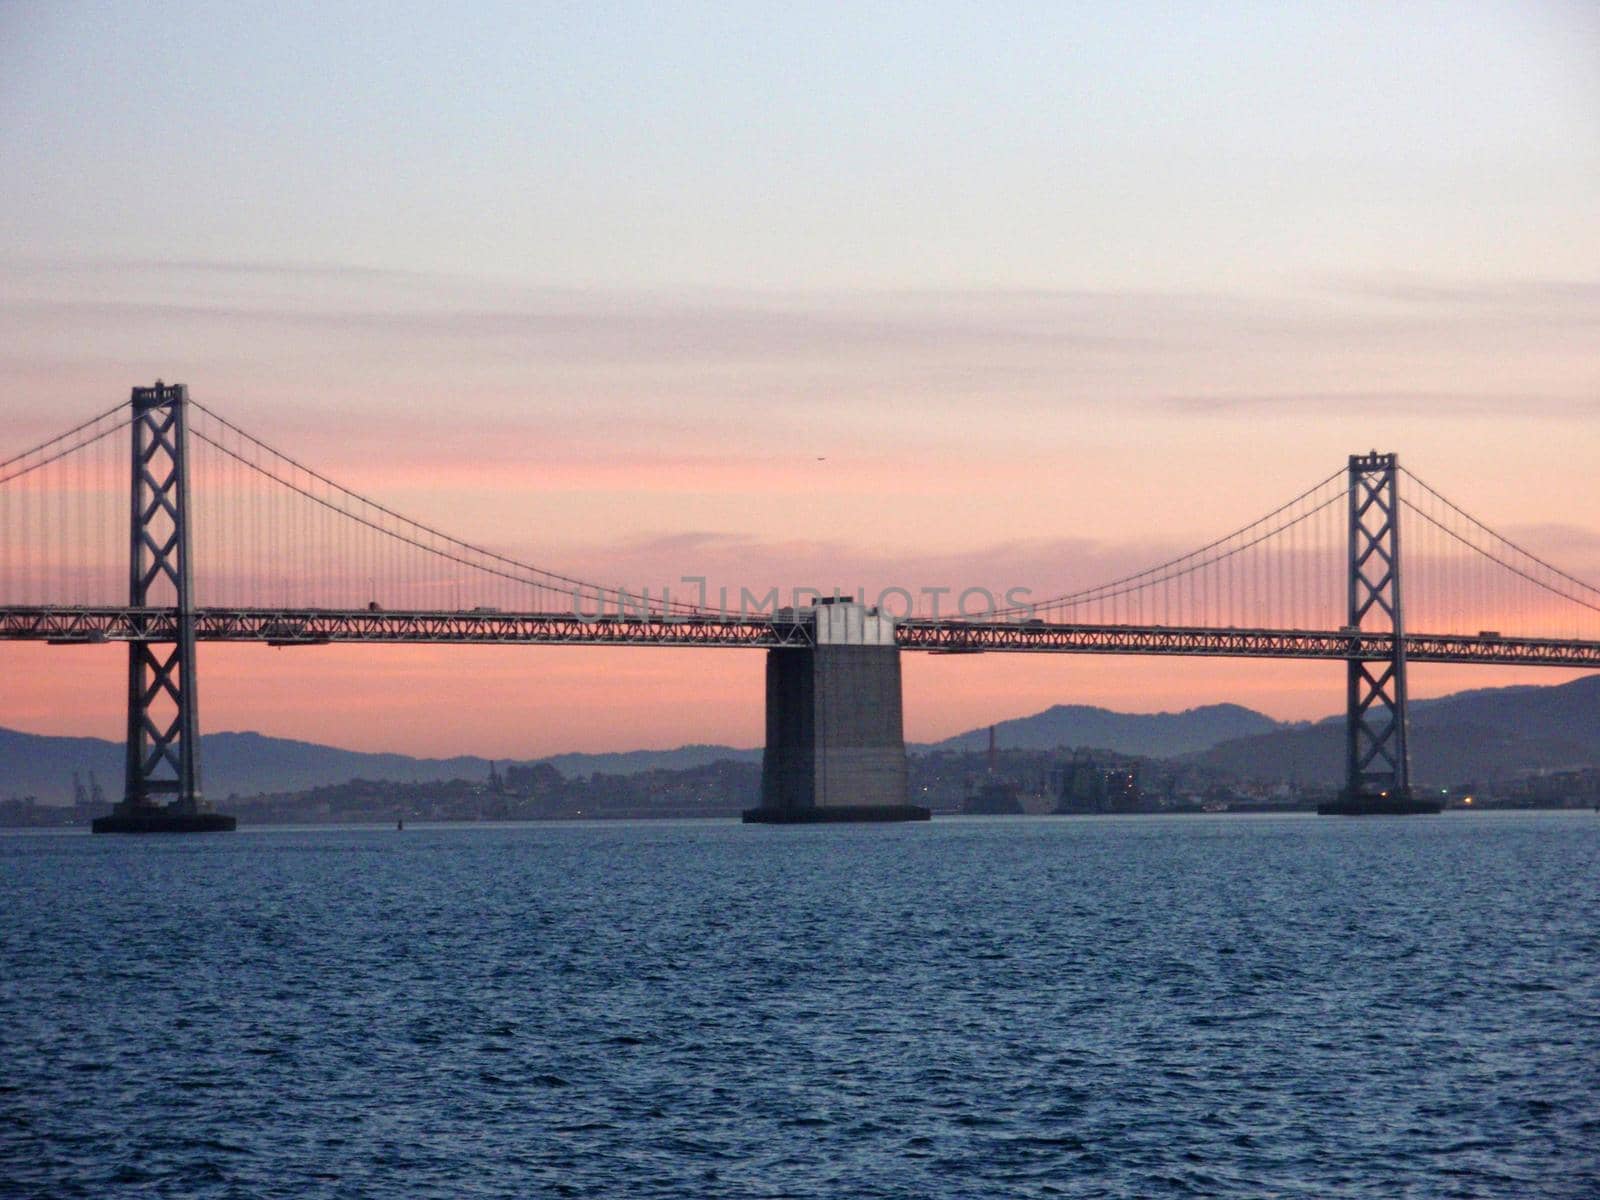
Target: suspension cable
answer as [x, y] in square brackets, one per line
[1515, 570]
[1588, 587]
[599, 591]
[1105, 589]
[589, 590]
[60, 454]
[60, 437]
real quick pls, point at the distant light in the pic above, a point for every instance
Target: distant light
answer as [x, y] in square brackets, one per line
[1468, 800]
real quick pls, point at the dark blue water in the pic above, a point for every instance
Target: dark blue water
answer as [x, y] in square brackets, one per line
[1005, 1007]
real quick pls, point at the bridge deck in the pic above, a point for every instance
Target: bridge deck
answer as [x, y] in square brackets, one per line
[300, 627]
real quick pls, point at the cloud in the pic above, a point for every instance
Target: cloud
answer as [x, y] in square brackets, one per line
[1454, 404]
[1560, 299]
[282, 269]
[1571, 548]
[634, 329]
[1185, 349]
[1044, 567]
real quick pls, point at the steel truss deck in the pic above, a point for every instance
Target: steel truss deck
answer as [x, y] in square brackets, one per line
[303, 627]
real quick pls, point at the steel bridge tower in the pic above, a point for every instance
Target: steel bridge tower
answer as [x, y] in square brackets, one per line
[163, 748]
[1377, 762]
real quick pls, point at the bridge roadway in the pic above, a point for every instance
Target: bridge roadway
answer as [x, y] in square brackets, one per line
[313, 627]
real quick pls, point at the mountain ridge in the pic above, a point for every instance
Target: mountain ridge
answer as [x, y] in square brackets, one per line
[1467, 734]
[248, 763]
[1154, 735]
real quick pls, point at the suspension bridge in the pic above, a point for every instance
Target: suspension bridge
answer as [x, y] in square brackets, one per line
[159, 523]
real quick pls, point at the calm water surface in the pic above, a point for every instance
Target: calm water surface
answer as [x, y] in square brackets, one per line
[988, 1007]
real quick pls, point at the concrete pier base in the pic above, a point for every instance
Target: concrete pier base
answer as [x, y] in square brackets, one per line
[162, 818]
[836, 746]
[1393, 805]
[836, 814]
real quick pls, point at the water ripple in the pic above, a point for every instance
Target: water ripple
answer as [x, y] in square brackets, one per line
[1144, 1007]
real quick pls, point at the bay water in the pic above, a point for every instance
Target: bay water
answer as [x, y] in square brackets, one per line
[1141, 1006]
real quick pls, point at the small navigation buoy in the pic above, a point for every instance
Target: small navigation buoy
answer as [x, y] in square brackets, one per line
[400, 824]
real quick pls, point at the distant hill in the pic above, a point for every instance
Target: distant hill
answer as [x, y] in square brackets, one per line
[1469, 736]
[1152, 735]
[242, 763]
[35, 765]
[632, 762]
[250, 763]
[1566, 710]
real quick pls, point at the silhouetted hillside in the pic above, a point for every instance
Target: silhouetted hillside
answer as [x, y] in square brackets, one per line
[1482, 734]
[242, 763]
[35, 765]
[250, 763]
[1153, 735]
[632, 762]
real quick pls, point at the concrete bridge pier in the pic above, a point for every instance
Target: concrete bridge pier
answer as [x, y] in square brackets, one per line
[836, 747]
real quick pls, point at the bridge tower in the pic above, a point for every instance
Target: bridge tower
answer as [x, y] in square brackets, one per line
[1377, 762]
[163, 748]
[836, 747]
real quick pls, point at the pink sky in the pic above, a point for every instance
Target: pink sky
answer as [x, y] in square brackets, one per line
[1016, 303]
[525, 702]
[1044, 441]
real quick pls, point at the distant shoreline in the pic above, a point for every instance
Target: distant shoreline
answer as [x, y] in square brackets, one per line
[658, 818]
